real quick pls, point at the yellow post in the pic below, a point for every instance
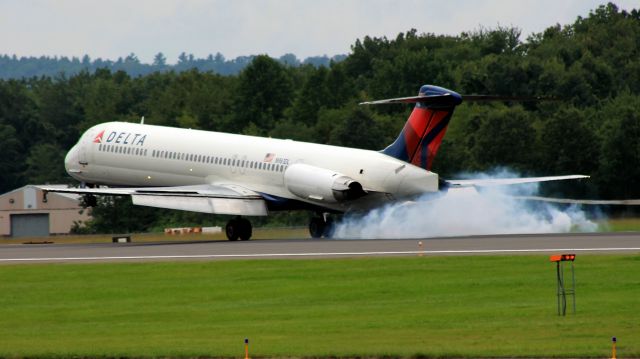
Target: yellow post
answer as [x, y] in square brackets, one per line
[420, 249]
[613, 355]
[246, 348]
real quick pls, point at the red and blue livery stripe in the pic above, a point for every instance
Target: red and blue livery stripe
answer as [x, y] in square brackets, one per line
[422, 135]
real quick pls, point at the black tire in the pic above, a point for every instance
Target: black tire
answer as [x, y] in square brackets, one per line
[90, 201]
[316, 227]
[233, 230]
[246, 230]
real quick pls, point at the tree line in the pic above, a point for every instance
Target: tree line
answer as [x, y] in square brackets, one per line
[591, 68]
[14, 67]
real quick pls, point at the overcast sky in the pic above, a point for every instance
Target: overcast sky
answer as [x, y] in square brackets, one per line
[114, 28]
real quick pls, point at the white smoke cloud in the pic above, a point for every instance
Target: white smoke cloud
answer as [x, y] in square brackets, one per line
[461, 212]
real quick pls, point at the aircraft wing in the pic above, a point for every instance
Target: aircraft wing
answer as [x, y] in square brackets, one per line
[219, 199]
[486, 182]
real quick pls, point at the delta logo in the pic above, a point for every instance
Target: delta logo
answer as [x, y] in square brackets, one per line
[124, 138]
[98, 138]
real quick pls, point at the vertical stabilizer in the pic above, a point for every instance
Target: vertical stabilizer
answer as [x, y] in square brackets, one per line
[422, 135]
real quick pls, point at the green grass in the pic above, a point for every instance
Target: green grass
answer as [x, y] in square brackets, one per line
[620, 225]
[476, 306]
[258, 233]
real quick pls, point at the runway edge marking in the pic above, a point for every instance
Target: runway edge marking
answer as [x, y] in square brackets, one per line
[316, 254]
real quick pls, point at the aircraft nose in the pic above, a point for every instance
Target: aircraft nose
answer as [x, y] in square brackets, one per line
[71, 161]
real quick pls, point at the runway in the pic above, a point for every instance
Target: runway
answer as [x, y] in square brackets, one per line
[325, 248]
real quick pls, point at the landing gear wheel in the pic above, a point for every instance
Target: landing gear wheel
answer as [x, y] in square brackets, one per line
[317, 227]
[89, 201]
[238, 228]
[233, 230]
[245, 229]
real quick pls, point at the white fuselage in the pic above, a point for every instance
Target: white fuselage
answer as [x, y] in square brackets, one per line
[128, 154]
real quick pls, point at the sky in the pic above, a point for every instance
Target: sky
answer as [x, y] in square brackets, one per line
[116, 28]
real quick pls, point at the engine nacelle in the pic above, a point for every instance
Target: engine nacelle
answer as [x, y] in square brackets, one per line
[321, 184]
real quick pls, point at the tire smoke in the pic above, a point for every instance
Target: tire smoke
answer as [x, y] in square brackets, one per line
[466, 211]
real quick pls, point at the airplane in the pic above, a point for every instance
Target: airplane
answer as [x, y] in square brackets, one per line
[222, 173]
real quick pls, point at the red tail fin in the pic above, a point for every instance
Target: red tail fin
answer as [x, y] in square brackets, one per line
[422, 135]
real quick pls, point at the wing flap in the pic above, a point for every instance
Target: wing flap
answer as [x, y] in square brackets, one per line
[487, 182]
[218, 199]
[236, 206]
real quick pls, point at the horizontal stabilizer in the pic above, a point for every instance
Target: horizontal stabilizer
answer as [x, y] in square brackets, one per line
[455, 99]
[491, 98]
[428, 100]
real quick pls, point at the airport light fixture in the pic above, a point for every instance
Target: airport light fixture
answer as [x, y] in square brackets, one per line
[561, 290]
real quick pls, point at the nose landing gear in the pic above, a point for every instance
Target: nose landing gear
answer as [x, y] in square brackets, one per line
[238, 228]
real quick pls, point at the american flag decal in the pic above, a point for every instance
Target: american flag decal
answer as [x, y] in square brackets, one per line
[269, 157]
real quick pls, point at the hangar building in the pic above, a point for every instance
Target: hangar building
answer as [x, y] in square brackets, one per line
[25, 213]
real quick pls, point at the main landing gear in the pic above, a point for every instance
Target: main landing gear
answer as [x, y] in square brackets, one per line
[239, 228]
[321, 226]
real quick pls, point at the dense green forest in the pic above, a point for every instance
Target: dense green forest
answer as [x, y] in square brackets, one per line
[591, 66]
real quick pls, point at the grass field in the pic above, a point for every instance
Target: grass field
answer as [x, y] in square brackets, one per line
[258, 233]
[620, 225]
[479, 306]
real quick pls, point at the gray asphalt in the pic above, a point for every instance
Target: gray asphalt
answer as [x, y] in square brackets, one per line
[307, 248]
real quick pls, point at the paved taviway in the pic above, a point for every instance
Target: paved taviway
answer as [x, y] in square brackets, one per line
[322, 248]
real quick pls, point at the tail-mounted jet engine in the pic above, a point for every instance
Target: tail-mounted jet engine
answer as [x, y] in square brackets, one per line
[320, 184]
